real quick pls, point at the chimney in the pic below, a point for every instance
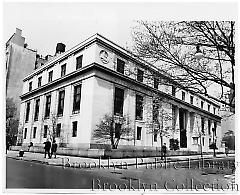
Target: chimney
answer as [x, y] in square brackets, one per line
[60, 48]
[18, 32]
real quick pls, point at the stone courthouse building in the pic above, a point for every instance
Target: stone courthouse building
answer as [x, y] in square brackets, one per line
[73, 91]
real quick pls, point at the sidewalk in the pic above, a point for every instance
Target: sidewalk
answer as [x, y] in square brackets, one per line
[82, 162]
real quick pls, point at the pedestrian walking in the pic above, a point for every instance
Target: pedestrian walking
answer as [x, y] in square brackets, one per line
[226, 150]
[47, 148]
[30, 145]
[54, 148]
[164, 151]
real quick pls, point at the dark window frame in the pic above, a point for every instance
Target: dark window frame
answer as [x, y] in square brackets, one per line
[155, 82]
[40, 81]
[140, 74]
[209, 107]
[120, 65]
[202, 104]
[118, 101]
[47, 106]
[191, 99]
[79, 61]
[77, 98]
[74, 128]
[202, 125]
[25, 133]
[183, 96]
[139, 107]
[27, 112]
[139, 133]
[173, 91]
[30, 86]
[209, 126]
[155, 135]
[61, 97]
[63, 69]
[34, 132]
[45, 131]
[50, 76]
[37, 106]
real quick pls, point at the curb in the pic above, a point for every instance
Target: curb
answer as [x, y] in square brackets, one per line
[169, 161]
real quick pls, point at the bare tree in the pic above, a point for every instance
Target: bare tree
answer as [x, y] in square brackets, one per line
[163, 120]
[171, 46]
[113, 128]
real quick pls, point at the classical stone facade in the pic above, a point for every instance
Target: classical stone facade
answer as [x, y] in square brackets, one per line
[73, 91]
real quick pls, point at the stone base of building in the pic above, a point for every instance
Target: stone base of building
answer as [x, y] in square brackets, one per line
[111, 153]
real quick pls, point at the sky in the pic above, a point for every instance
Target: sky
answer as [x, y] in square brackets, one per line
[44, 23]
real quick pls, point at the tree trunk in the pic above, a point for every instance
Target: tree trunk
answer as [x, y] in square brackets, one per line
[161, 140]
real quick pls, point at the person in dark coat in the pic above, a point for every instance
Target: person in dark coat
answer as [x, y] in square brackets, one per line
[164, 151]
[54, 148]
[47, 148]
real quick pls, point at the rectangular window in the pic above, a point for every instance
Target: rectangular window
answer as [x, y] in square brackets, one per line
[215, 129]
[61, 102]
[173, 91]
[139, 132]
[209, 126]
[120, 66]
[156, 82]
[79, 62]
[50, 76]
[203, 141]
[63, 70]
[34, 132]
[74, 129]
[155, 136]
[27, 112]
[117, 130]
[76, 98]
[191, 99]
[118, 101]
[183, 95]
[139, 107]
[36, 110]
[30, 86]
[208, 107]
[58, 130]
[202, 103]
[45, 131]
[155, 111]
[202, 124]
[25, 133]
[48, 106]
[214, 110]
[39, 81]
[139, 75]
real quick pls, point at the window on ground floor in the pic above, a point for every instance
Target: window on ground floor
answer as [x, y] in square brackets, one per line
[34, 132]
[139, 132]
[25, 133]
[74, 129]
[45, 131]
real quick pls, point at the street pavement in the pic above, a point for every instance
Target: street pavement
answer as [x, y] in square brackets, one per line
[34, 171]
[83, 162]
